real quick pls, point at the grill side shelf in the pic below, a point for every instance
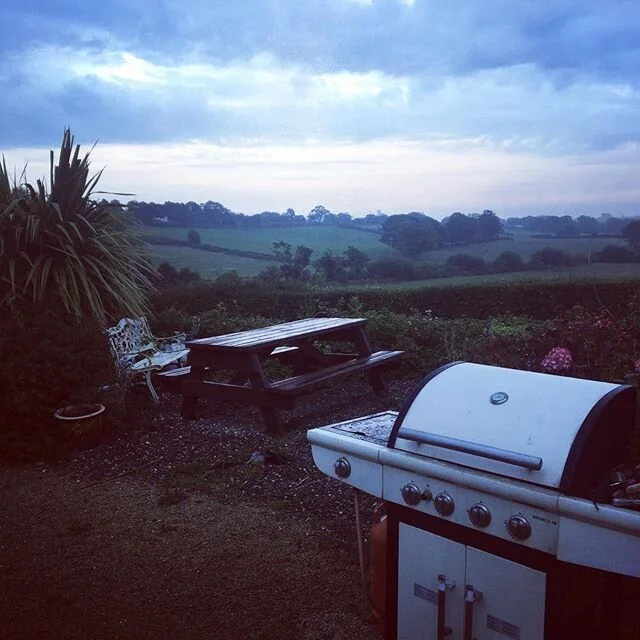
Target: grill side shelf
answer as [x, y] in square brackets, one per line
[533, 463]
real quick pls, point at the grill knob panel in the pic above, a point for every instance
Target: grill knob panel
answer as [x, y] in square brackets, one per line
[342, 467]
[480, 515]
[444, 504]
[411, 494]
[518, 527]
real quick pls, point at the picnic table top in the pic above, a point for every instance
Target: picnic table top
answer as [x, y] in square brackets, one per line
[275, 335]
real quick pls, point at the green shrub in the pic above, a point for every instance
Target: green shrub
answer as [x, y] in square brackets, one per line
[221, 320]
[551, 257]
[508, 262]
[613, 253]
[49, 361]
[60, 247]
[464, 264]
[393, 269]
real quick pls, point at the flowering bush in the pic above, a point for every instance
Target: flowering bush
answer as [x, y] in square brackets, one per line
[601, 346]
[557, 360]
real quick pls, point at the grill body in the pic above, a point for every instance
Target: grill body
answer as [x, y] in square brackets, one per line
[491, 480]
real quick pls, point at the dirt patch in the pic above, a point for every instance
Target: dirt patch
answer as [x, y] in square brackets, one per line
[176, 529]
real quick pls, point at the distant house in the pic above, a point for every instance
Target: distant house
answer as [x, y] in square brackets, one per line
[160, 220]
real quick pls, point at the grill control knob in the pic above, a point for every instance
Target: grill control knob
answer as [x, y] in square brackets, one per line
[518, 527]
[342, 467]
[480, 515]
[444, 504]
[411, 494]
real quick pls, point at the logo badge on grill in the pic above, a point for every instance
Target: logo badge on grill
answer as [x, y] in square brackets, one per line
[499, 397]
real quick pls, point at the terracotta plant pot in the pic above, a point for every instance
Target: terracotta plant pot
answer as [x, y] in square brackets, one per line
[81, 424]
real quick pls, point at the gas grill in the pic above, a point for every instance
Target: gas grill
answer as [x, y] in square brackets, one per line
[496, 483]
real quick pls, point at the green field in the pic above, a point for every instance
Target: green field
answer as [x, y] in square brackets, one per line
[320, 239]
[207, 264]
[525, 246]
[335, 239]
[583, 274]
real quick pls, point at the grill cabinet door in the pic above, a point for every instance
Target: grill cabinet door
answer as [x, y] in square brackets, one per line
[512, 606]
[422, 557]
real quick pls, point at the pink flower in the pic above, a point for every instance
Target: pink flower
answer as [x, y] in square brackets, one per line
[636, 366]
[558, 359]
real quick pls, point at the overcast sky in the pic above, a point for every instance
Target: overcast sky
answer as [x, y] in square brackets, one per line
[519, 106]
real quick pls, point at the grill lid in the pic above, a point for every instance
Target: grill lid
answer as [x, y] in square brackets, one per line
[550, 430]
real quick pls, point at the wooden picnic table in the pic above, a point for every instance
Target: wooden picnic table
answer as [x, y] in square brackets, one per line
[301, 344]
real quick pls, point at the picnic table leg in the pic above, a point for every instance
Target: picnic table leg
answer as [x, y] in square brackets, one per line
[189, 402]
[363, 348]
[188, 411]
[272, 421]
[257, 380]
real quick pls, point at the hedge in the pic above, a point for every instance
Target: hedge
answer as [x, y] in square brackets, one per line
[536, 300]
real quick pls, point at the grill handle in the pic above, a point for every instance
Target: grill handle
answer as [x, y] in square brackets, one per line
[470, 596]
[444, 585]
[532, 463]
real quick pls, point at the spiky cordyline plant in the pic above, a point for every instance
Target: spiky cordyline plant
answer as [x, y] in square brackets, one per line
[65, 247]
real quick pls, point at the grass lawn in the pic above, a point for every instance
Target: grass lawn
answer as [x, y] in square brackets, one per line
[206, 263]
[584, 273]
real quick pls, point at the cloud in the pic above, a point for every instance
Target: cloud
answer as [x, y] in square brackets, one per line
[264, 96]
[554, 81]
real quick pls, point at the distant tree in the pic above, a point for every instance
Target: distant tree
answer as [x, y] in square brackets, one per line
[411, 233]
[465, 265]
[215, 214]
[283, 251]
[508, 262]
[488, 226]
[514, 223]
[194, 212]
[566, 227]
[193, 237]
[356, 262]
[332, 267]
[344, 218]
[293, 264]
[587, 225]
[613, 253]
[615, 225]
[302, 256]
[631, 234]
[375, 219]
[318, 214]
[550, 257]
[459, 228]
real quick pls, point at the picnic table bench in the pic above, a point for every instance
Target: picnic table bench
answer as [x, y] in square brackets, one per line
[307, 345]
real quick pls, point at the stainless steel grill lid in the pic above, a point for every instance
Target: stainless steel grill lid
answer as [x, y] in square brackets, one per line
[554, 431]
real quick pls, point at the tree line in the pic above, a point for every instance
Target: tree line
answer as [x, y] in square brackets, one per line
[215, 215]
[466, 227]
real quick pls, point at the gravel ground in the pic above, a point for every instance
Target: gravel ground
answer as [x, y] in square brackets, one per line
[167, 528]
